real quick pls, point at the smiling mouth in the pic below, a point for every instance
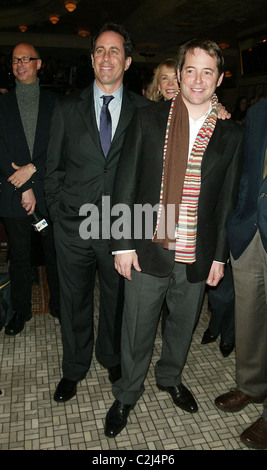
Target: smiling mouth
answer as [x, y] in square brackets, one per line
[106, 67]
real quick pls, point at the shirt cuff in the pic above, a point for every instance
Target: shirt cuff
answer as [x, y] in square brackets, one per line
[122, 251]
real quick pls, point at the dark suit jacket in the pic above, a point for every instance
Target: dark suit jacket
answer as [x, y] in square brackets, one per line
[77, 170]
[138, 181]
[14, 148]
[251, 211]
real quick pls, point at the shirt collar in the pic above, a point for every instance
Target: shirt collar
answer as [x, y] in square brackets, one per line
[202, 118]
[98, 93]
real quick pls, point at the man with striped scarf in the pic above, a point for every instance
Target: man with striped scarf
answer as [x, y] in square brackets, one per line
[180, 158]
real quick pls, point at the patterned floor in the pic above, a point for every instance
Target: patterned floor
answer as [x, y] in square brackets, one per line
[31, 420]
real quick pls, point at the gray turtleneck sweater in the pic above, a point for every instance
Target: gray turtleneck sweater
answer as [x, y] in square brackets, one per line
[28, 102]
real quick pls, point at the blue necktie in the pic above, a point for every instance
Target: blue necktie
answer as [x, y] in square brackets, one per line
[105, 124]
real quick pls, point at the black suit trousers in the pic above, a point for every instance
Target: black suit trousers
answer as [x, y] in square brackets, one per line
[222, 305]
[19, 230]
[79, 261]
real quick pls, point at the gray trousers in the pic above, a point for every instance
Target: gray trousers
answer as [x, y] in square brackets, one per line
[144, 296]
[250, 283]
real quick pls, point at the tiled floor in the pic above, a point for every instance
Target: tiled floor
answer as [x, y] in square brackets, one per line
[31, 420]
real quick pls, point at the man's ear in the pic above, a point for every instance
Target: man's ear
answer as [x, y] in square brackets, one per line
[220, 80]
[128, 62]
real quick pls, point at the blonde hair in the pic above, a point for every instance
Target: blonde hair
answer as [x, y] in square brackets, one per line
[171, 64]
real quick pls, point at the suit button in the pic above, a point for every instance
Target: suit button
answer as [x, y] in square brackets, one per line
[262, 194]
[256, 223]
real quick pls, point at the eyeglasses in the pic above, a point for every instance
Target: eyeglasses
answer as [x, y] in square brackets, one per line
[23, 60]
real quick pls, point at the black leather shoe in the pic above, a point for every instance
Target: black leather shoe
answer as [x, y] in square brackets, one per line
[16, 324]
[65, 390]
[181, 397]
[114, 373]
[226, 348]
[208, 337]
[116, 418]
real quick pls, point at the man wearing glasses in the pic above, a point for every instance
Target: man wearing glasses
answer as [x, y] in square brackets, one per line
[25, 114]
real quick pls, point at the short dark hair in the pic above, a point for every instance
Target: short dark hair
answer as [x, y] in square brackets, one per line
[206, 45]
[116, 28]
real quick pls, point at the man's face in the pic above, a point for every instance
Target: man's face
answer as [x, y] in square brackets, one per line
[109, 61]
[25, 73]
[199, 78]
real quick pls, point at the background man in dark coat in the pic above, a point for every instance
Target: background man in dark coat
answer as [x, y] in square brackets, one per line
[247, 233]
[25, 115]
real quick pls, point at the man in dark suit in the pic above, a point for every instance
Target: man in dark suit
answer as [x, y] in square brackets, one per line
[247, 231]
[80, 173]
[25, 114]
[156, 166]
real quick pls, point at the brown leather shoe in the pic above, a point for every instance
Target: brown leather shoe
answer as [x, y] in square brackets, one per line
[235, 400]
[256, 435]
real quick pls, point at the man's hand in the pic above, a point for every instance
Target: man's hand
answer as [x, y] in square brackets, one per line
[21, 175]
[216, 274]
[124, 263]
[222, 112]
[28, 201]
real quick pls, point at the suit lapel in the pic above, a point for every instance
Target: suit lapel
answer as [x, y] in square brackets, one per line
[40, 125]
[211, 155]
[127, 110]
[17, 123]
[86, 108]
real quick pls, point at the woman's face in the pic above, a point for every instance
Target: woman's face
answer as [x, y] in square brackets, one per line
[168, 83]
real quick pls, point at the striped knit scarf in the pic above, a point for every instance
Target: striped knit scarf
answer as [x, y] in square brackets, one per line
[181, 181]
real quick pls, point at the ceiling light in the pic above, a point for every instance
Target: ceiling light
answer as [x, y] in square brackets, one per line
[147, 53]
[23, 28]
[223, 45]
[83, 32]
[54, 19]
[71, 6]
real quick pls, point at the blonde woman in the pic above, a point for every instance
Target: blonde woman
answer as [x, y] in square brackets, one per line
[165, 83]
